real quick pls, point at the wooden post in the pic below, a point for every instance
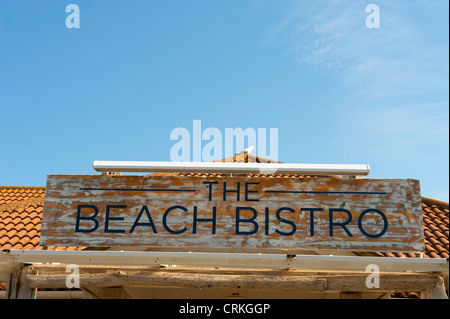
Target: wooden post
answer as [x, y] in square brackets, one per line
[437, 292]
[17, 286]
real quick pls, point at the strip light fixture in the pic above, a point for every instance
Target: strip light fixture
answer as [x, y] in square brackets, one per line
[233, 168]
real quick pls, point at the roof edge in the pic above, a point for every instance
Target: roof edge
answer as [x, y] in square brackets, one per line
[430, 201]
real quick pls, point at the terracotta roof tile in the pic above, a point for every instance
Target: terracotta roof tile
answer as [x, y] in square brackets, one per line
[21, 217]
[17, 194]
[435, 229]
[405, 294]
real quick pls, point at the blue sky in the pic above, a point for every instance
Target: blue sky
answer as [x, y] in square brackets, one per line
[115, 88]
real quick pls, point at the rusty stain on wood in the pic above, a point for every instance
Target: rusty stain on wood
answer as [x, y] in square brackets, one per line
[233, 212]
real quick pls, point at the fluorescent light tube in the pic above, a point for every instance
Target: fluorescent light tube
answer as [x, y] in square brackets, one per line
[229, 167]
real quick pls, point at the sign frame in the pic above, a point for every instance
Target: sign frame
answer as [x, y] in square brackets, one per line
[241, 213]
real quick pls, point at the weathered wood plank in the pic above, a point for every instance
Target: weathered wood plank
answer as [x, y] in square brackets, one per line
[233, 212]
[197, 280]
[343, 282]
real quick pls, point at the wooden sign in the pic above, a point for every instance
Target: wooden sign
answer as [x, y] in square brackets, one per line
[233, 213]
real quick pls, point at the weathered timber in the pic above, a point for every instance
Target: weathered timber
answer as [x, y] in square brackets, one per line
[121, 278]
[18, 287]
[436, 292]
[339, 282]
[233, 213]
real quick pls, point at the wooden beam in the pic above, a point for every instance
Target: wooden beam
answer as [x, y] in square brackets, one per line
[163, 278]
[246, 260]
[105, 292]
[350, 295]
[339, 282]
[388, 282]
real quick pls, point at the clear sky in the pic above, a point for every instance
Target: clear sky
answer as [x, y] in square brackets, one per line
[114, 88]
